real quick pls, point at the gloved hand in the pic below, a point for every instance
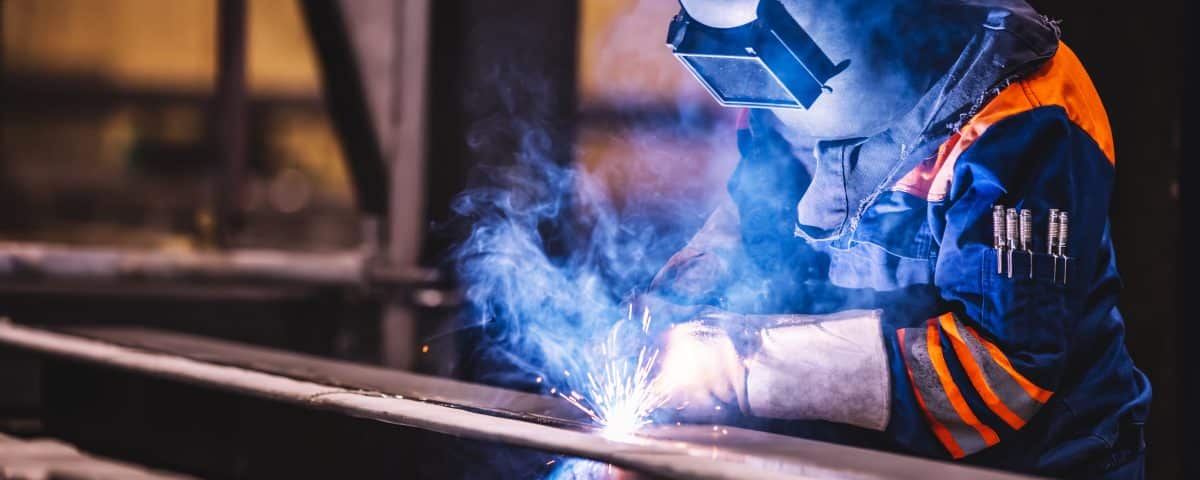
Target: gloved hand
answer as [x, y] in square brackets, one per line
[828, 367]
[702, 372]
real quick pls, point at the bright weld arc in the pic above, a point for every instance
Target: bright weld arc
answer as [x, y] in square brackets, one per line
[618, 399]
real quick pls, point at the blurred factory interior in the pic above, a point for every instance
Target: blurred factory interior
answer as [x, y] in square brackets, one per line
[280, 173]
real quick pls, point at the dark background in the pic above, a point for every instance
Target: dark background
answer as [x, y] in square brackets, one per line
[1135, 54]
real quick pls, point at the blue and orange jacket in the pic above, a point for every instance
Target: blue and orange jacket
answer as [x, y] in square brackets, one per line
[1017, 373]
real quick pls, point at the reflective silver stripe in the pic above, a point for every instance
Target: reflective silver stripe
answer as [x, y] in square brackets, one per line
[999, 381]
[937, 403]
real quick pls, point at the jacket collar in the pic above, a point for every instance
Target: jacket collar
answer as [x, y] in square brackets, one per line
[1011, 39]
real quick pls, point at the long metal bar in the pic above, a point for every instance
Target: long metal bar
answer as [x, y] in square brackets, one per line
[39, 261]
[62, 93]
[44, 261]
[407, 159]
[47, 268]
[694, 451]
[47, 458]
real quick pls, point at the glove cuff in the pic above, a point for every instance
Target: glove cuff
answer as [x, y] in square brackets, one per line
[831, 368]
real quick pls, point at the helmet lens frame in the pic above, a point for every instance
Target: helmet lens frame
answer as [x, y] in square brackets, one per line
[768, 63]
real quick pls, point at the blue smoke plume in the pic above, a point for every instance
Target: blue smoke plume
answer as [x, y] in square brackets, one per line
[553, 251]
[539, 309]
[552, 254]
[549, 263]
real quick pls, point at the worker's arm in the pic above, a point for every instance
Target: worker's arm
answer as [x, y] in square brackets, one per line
[758, 269]
[978, 372]
[699, 272]
[968, 378]
[828, 367]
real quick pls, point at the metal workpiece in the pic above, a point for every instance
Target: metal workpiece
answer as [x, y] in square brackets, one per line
[999, 237]
[462, 410]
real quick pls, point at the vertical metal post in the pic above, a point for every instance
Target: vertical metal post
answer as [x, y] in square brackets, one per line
[230, 116]
[360, 43]
[3, 89]
[410, 67]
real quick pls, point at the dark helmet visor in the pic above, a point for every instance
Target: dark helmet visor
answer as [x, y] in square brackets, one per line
[770, 62]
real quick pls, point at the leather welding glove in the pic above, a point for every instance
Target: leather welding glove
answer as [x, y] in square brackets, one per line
[702, 373]
[812, 367]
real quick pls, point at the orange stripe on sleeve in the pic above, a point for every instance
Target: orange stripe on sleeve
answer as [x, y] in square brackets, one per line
[975, 373]
[1039, 394]
[957, 401]
[940, 431]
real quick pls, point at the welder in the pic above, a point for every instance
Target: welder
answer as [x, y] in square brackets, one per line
[855, 285]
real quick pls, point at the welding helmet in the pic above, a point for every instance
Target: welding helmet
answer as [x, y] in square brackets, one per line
[768, 61]
[827, 69]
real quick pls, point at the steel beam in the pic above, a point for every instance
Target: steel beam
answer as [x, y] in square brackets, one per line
[468, 411]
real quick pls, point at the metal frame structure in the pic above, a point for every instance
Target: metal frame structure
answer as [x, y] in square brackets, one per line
[373, 90]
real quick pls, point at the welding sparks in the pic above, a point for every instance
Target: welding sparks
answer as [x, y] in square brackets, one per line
[621, 395]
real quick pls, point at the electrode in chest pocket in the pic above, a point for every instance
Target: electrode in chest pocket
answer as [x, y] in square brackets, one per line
[1012, 241]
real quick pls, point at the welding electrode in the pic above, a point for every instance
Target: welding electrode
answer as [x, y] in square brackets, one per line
[998, 237]
[1027, 237]
[1011, 231]
[1052, 242]
[1064, 234]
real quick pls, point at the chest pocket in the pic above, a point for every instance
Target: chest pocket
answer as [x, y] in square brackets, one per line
[888, 249]
[897, 223]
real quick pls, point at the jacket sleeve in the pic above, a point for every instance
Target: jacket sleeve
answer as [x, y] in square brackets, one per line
[699, 272]
[978, 372]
